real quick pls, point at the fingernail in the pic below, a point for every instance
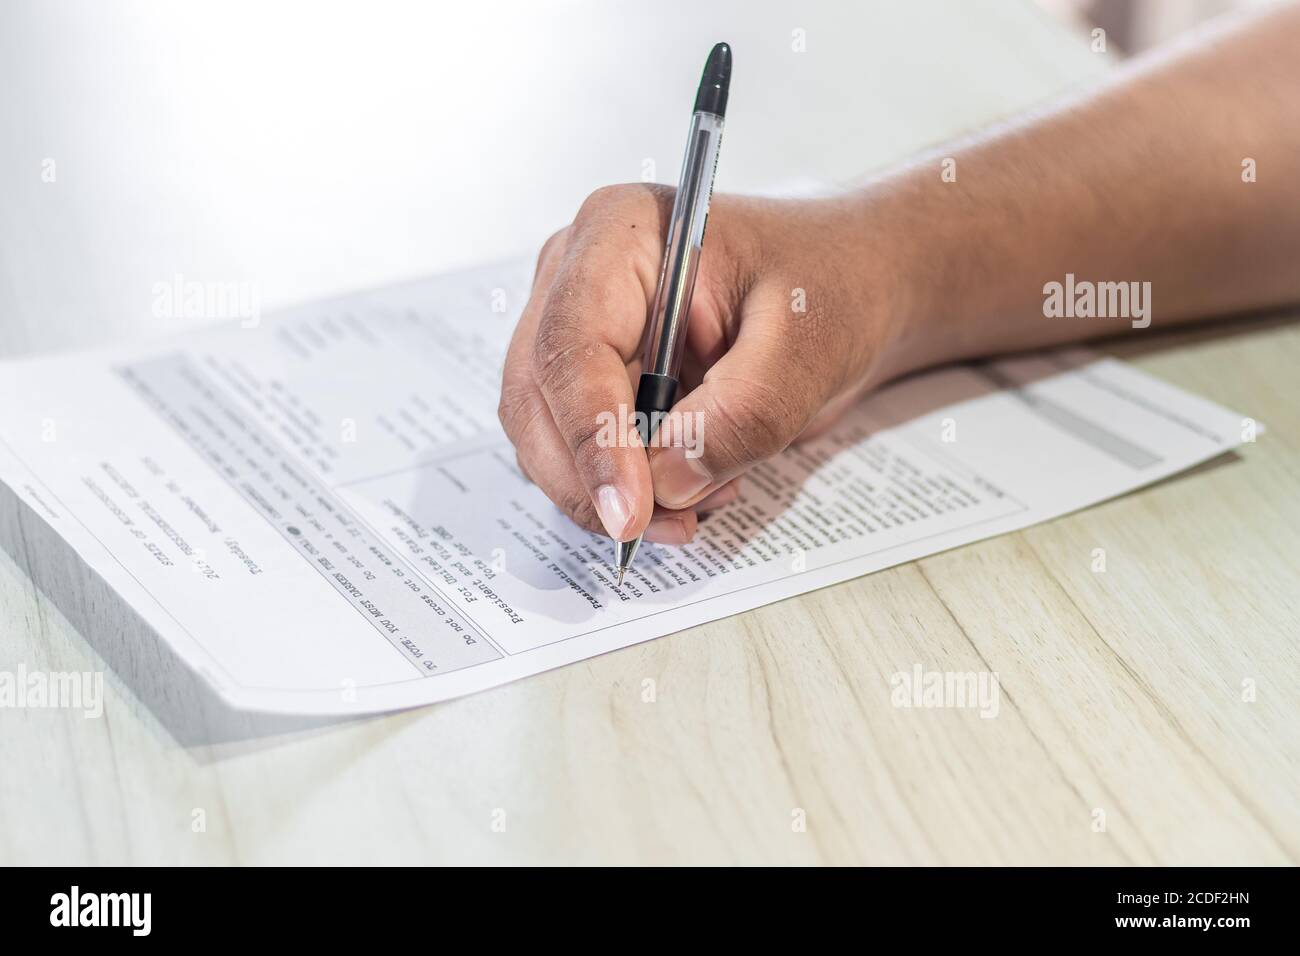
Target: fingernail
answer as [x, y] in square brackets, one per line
[677, 477]
[664, 530]
[614, 513]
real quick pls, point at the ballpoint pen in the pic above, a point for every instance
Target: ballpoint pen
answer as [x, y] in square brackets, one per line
[666, 325]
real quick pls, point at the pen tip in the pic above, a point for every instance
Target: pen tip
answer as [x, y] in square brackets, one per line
[621, 572]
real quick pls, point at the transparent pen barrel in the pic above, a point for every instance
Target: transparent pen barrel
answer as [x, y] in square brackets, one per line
[672, 305]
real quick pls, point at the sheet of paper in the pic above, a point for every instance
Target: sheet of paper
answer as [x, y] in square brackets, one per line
[319, 514]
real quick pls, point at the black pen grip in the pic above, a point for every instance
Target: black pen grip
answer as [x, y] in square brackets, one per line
[654, 398]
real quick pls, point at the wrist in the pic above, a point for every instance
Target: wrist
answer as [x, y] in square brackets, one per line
[898, 278]
[937, 268]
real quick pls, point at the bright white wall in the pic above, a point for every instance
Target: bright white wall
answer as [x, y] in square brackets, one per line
[317, 147]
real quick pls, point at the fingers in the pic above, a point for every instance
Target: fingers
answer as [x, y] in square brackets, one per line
[720, 498]
[567, 398]
[678, 527]
[540, 449]
[581, 373]
[671, 527]
[568, 395]
[752, 403]
[590, 327]
[543, 458]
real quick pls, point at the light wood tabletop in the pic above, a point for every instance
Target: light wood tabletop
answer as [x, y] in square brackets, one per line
[1149, 711]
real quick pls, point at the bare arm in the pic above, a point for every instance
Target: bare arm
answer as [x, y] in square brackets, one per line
[1146, 180]
[1183, 171]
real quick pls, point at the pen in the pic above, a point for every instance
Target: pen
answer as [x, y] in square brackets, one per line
[666, 328]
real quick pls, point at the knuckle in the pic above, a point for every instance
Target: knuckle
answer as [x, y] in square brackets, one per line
[551, 247]
[522, 465]
[589, 451]
[557, 349]
[604, 199]
[577, 504]
[641, 202]
[512, 398]
[756, 423]
[569, 499]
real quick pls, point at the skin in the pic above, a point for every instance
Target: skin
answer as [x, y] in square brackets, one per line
[1140, 180]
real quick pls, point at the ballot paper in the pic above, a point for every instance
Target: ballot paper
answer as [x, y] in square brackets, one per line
[317, 512]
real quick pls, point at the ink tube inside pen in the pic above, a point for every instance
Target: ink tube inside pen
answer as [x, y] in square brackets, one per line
[666, 340]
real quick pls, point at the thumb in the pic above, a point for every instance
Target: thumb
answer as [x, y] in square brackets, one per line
[752, 404]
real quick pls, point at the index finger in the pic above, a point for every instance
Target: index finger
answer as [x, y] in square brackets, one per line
[589, 329]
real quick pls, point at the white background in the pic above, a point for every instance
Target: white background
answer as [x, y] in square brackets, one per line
[313, 148]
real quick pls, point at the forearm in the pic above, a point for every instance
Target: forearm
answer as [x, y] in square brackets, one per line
[1139, 182]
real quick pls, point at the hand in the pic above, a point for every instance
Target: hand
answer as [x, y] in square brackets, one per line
[786, 330]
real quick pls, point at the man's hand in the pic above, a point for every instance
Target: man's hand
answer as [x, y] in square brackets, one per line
[783, 333]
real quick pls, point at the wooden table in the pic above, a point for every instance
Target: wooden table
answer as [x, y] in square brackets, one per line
[1149, 714]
